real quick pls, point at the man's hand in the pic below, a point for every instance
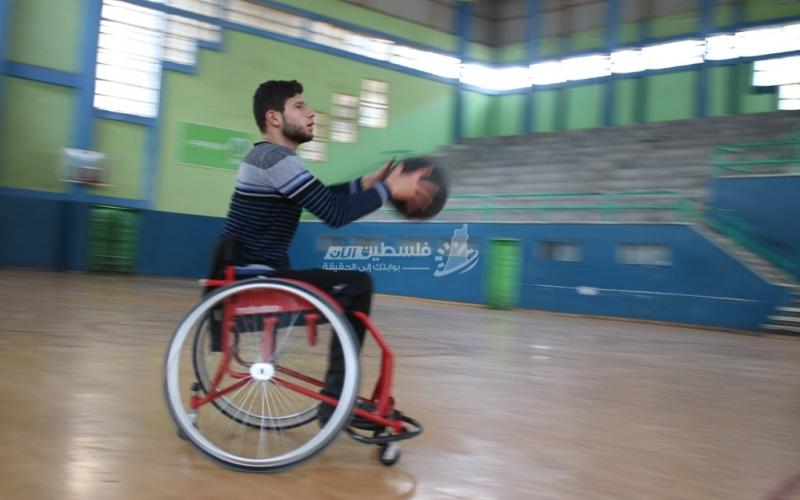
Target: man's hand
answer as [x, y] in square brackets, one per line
[370, 180]
[411, 187]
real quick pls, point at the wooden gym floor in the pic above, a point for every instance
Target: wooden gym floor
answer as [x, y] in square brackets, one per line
[516, 405]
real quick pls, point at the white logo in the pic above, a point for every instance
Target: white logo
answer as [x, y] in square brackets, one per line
[460, 257]
[452, 257]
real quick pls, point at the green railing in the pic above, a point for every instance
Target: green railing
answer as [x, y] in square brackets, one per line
[750, 237]
[543, 206]
[750, 158]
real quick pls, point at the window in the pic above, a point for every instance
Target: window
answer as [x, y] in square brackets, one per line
[562, 251]
[674, 54]
[129, 59]
[211, 8]
[259, 16]
[628, 61]
[344, 118]
[182, 35]
[772, 72]
[789, 96]
[585, 67]
[134, 40]
[486, 77]
[644, 254]
[374, 110]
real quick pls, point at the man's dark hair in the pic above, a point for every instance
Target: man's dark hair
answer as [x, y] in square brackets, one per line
[273, 95]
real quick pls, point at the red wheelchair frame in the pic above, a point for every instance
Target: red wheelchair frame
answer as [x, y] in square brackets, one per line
[388, 424]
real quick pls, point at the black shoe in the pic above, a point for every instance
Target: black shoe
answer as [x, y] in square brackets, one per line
[325, 411]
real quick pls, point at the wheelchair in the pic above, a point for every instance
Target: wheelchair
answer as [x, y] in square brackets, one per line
[244, 369]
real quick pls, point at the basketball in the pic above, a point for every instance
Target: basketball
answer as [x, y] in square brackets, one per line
[438, 176]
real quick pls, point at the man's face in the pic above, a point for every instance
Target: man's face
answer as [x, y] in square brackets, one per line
[298, 120]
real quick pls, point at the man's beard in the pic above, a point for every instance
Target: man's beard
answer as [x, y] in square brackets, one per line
[296, 134]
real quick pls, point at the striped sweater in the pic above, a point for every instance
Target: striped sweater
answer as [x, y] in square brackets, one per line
[272, 188]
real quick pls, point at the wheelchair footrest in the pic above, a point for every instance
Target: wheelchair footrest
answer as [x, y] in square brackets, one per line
[381, 436]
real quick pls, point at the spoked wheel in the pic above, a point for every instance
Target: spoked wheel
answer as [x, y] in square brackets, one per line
[207, 358]
[246, 399]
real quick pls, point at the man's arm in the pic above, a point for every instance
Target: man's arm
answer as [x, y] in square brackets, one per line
[336, 205]
[348, 187]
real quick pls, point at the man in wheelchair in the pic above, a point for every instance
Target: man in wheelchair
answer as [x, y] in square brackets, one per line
[273, 186]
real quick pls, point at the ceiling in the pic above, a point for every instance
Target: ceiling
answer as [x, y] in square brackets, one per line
[502, 22]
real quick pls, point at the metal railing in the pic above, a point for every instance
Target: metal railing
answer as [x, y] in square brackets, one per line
[750, 237]
[752, 158]
[612, 206]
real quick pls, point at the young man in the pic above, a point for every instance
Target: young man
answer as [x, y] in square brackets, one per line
[272, 188]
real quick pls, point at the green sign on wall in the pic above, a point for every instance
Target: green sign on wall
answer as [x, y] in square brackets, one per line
[212, 147]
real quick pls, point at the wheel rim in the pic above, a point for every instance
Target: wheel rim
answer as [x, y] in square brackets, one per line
[259, 423]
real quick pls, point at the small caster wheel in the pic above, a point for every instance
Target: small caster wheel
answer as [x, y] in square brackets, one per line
[389, 454]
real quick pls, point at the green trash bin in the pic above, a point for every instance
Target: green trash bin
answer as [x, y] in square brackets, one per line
[503, 280]
[113, 239]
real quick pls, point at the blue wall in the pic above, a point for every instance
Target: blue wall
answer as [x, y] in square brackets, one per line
[770, 203]
[44, 232]
[49, 232]
[703, 286]
[176, 244]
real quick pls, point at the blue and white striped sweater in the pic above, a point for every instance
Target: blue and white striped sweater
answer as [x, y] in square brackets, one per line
[272, 188]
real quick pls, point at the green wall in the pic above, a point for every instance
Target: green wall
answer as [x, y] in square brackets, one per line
[125, 144]
[36, 124]
[45, 36]
[477, 110]
[37, 117]
[764, 10]
[544, 110]
[512, 54]
[584, 106]
[506, 114]
[420, 114]
[353, 14]
[624, 101]
[671, 96]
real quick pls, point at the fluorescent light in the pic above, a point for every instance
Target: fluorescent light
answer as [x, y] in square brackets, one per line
[772, 72]
[789, 91]
[585, 67]
[512, 78]
[429, 62]
[673, 54]
[627, 61]
[721, 47]
[758, 42]
[547, 73]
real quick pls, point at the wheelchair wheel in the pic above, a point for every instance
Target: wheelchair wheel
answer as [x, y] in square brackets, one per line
[249, 402]
[207, 358]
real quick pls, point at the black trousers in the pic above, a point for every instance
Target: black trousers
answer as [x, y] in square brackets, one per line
[353, 290]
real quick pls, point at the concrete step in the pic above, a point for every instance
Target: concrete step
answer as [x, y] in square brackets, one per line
[749, 259]
[792, 320]
[781, 328]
